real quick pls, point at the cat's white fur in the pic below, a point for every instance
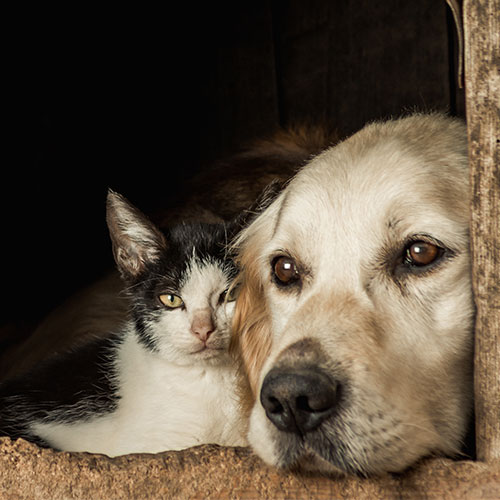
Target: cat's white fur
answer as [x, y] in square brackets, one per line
[163, 406]
[170, 399]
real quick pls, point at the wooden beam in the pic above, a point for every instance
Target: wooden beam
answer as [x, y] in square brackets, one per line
[482, 79]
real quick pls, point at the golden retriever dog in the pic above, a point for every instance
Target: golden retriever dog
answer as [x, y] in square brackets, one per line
[355, 316]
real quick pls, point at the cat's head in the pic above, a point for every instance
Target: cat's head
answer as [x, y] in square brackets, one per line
[178, 282]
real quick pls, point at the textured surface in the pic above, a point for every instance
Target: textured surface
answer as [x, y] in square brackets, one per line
[482, 65]
[213, 472]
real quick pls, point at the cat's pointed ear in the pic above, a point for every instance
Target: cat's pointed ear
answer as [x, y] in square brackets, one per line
[136, 240]
[266, 197]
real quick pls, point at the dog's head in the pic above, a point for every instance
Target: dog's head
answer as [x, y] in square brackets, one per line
[354, 320]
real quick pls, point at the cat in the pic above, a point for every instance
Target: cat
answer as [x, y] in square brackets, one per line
[166, 380]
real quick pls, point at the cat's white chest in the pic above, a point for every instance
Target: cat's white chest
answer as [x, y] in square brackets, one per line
[162, 406]
[186, 405]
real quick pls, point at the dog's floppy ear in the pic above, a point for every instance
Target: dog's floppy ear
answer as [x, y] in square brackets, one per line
[136, 240]
[251, 339]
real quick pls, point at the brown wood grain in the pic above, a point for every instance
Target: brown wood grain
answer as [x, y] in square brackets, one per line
[482, 69]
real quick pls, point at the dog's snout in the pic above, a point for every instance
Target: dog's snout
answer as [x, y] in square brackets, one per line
[298, 400]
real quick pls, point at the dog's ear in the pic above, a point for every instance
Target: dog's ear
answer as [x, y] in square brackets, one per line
[266, 197]
[251, 340]
[136, 240]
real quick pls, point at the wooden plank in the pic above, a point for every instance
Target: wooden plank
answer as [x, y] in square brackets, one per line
[482, 70]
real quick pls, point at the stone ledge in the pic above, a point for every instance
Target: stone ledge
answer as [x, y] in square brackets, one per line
[27, 471]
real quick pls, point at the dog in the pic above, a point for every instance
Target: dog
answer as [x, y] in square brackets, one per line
[354, 320]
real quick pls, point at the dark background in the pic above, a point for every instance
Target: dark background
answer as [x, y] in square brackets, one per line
[138, 100]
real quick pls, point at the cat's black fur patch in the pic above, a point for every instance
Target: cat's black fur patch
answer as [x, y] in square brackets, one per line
[69, 387]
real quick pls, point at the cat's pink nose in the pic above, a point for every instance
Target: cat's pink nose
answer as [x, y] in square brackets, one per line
[202, 326]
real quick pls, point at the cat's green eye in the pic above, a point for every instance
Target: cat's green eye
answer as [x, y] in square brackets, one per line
[171, 301]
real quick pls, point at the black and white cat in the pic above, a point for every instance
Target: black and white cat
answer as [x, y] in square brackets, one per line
[166, 380]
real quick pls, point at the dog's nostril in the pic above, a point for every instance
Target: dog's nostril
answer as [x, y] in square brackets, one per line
[275, 406]
[298, 400]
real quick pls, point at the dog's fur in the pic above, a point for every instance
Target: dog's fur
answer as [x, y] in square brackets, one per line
[392, 340]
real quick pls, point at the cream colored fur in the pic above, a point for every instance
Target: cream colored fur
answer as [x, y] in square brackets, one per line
[402, 344]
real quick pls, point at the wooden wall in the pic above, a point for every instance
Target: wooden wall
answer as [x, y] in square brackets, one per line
[482, 66]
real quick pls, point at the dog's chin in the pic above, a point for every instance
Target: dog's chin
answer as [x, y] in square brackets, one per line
[308, 454]
[301, 456]
[285, 450]
[289, 451]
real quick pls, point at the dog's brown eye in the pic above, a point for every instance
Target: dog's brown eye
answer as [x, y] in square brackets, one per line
[421, 253]
[285, 270]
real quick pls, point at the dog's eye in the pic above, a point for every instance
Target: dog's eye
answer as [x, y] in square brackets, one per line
[422, 253]
[285, 270]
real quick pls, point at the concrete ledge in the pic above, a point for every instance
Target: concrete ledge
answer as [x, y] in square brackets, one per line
[27, 471]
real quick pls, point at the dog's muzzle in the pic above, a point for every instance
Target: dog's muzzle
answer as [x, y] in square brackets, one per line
[298, 400]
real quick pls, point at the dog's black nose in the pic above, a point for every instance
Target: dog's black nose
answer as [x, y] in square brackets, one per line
[298, 400]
